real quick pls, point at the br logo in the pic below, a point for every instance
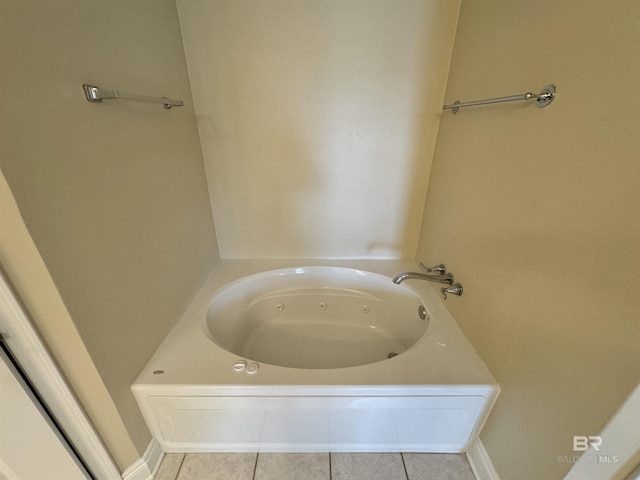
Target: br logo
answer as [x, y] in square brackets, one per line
[581, 443]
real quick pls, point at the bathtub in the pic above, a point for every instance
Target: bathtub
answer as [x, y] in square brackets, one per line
[279, 357]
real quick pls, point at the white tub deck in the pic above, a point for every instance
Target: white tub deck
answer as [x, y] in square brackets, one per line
[433, 397]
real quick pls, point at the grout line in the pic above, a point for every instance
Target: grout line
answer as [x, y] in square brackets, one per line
[255, 466]
[404, 465]
[330, 473]
[180, 467]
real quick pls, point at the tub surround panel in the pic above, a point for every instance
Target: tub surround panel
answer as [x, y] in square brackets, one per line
[537, 211]
[316, 420]
[317, 121]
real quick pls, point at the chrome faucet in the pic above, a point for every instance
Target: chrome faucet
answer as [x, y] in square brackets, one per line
[439, 278]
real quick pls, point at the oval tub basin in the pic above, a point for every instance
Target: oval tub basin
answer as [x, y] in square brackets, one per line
[316, 317]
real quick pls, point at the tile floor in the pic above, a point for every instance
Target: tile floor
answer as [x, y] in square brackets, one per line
[314, 466]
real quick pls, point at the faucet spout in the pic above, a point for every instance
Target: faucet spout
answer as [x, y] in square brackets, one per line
[442, 278]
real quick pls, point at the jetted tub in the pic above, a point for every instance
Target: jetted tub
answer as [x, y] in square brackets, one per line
[315, 359]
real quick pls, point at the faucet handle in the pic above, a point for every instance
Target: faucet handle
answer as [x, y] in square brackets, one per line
[452, 290]
[440, 269]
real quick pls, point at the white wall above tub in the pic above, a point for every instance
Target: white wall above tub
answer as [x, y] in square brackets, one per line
[317, 120]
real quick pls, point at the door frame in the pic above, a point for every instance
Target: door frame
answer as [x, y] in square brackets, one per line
[25, 344]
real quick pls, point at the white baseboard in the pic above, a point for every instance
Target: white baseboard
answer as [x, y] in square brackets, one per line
[147, 466]
[480, 462]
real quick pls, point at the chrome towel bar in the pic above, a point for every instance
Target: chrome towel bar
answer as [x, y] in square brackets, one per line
[544, 98]
[97, 94]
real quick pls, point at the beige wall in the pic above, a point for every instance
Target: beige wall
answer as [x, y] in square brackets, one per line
[318, 120]
[113, 194]
[536, 212]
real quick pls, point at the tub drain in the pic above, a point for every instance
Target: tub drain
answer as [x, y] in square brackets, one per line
[392, 354]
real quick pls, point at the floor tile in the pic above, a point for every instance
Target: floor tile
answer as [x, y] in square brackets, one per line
[218, 466]
[170, 466]
[367, 466]
[437, 466]
[293, 466]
